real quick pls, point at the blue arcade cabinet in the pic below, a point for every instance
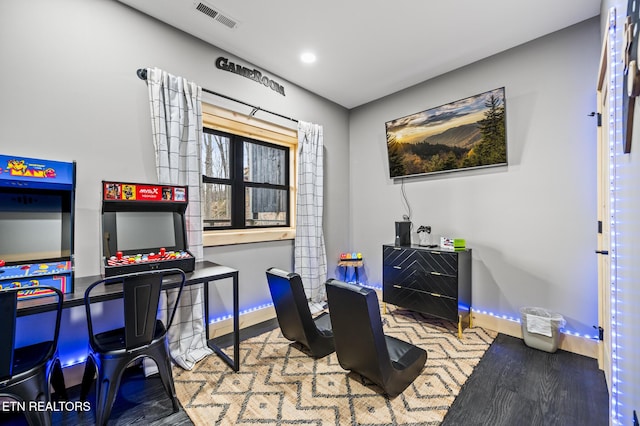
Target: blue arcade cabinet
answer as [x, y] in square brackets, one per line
[37, 200]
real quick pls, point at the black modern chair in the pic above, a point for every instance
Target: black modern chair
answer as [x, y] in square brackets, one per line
[362, 346]
[27, 372]
[294, 315]
[143, 335]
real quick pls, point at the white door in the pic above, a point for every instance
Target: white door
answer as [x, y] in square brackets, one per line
[604, 98]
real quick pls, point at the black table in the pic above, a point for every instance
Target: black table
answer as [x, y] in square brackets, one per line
[204, 273]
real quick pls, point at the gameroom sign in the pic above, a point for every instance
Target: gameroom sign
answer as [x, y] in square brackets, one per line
[252, 74]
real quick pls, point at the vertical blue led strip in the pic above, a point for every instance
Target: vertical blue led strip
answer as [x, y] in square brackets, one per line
[615, 129]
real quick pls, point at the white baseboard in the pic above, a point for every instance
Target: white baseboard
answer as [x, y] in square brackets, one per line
[567, 342]
[224, 327]
[73, 374]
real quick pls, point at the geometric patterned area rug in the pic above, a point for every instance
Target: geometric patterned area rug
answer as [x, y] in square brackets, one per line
[278, 384]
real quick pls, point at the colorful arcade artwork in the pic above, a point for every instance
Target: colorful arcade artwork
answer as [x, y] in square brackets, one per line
[36, 224]
[140, 192]
[54, 274]
[144, 228]
[24, 170]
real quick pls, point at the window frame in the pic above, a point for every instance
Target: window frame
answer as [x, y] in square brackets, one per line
[239, 186]
[253, 130]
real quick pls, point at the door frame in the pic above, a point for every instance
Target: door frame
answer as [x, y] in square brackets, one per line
[604, 192]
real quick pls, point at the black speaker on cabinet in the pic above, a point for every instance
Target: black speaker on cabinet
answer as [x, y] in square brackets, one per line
[403, 233]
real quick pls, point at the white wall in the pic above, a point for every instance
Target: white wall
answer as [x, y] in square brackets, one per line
[70, 92]
[531, 225]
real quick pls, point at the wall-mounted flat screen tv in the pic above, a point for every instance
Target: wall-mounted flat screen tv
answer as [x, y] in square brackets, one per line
[461, 135]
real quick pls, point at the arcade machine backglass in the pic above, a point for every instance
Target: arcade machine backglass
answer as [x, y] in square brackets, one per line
[37, 200]
[143, 228]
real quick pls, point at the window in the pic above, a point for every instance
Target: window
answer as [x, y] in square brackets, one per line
[245, 182]
[248, 181]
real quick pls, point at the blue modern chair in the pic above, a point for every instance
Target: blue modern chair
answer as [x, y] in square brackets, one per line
[27, 372]
[141, 336]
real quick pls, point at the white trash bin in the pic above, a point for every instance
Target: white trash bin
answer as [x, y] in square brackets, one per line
[541, 328]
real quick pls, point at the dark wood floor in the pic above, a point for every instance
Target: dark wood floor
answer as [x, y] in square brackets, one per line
[517, 385]
[140, 401]
[512, 385]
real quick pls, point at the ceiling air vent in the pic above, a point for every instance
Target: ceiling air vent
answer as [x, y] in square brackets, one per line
[225, 20]
[207, 10]
[216, 15]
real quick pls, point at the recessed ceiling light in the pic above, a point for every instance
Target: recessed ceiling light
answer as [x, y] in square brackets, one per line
[308, 58]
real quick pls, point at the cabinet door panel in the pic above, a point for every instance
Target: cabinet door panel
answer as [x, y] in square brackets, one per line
[439, 284]
[392, 274]
[416, 278]
[441, 307]
[429, 261]
[443, 263]
[398, 256]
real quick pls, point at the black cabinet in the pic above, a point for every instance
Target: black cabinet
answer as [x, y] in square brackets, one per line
[430, 281]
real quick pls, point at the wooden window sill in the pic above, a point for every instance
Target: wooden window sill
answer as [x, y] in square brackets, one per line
[243, 236]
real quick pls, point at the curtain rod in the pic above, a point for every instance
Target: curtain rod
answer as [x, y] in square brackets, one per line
[142, 75]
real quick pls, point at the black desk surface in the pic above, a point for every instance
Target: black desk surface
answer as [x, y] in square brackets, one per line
[204, 272]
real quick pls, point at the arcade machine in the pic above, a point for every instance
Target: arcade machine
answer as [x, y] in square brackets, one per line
[36, 224]
[143, 228]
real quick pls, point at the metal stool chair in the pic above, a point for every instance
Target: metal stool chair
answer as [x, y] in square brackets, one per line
[143, 335]
[26, 372]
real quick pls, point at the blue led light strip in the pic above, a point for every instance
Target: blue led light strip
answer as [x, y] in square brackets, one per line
[615, 131]
[244, 311]
[213, 321]
[500, 316]
[518, 320]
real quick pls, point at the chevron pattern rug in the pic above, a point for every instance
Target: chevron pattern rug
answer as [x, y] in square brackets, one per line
[278, 384]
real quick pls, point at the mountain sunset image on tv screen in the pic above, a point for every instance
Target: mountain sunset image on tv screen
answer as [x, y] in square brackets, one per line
[465, 134]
